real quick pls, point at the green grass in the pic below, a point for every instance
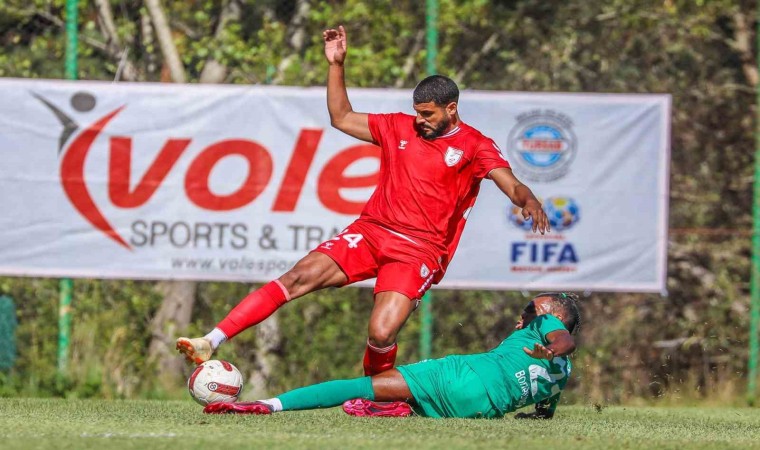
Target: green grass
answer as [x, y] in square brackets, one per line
[83, 424]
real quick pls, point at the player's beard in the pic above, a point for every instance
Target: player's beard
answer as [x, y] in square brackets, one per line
[432, 133]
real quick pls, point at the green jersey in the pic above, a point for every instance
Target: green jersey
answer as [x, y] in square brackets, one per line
[513, 378]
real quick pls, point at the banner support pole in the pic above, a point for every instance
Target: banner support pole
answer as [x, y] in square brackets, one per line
[431, 27]
[754, 318]
[66, 285]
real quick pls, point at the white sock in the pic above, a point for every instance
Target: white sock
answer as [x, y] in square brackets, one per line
[216, 337]
[275, 403]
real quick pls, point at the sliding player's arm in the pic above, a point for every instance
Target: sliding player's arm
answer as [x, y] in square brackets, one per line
[561, 343]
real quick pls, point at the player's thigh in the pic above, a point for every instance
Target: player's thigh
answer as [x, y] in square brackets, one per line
[353, 253]
[411, 277]
[314, 271]
[447, 387]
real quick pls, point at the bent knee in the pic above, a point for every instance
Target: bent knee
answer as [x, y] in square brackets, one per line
[382, 336]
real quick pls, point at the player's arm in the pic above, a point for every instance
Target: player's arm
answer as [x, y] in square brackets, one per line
[561, 343]
[521, 196]
[342, 115]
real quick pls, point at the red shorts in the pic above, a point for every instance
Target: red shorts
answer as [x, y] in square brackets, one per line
[401, 264]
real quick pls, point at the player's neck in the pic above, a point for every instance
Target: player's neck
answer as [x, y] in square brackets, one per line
[455, 123]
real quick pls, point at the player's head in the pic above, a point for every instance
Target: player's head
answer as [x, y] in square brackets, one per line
[435, 101]
[559, 304]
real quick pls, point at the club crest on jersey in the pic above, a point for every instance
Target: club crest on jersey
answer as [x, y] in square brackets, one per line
[452, 156]
[424, 271]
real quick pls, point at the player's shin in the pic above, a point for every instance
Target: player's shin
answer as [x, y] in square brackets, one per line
[326, 395]
[254, 308]
[379, 359]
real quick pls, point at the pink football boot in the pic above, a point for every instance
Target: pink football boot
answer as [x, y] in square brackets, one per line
[366, 408]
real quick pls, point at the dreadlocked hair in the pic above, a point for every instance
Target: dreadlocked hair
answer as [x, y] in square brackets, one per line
[565, 303]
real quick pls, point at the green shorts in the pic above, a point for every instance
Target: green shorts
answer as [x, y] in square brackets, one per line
[447, 387]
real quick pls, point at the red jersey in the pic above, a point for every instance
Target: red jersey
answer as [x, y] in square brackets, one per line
[427, 187]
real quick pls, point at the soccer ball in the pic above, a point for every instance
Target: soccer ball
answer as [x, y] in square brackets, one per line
[215, 381]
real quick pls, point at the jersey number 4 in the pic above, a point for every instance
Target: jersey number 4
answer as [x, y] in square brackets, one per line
[352, 239]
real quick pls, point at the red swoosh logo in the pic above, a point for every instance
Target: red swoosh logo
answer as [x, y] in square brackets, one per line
[72, 178]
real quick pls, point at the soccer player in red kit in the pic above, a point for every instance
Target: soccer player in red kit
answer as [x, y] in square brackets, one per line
[430, 172]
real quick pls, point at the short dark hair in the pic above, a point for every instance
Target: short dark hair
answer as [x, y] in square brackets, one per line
[565, 303]
[437, 89]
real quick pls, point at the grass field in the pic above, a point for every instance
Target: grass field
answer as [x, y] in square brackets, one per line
[84, 424]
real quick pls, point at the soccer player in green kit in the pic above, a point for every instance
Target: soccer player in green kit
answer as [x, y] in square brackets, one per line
[530, 367]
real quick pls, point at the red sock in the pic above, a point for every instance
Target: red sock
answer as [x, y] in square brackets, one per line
[378, 360]
[254, 308]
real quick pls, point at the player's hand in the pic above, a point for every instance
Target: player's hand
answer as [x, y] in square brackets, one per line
[539, 352]
[533, 209]
[335, 45]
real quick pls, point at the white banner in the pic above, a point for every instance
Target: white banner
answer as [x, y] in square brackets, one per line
[201, 182]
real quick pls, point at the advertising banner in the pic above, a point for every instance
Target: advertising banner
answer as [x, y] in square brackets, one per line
[157, 181]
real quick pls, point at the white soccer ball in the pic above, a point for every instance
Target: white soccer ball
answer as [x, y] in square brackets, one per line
[215, 381]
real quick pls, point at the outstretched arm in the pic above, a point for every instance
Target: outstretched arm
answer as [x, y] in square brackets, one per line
[561, 343]
[521, 196]
[342, 115]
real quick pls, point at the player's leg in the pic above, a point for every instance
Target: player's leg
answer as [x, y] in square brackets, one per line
[391, 396]
[343, 259]
[449, 387]
[315, 271]
[389, 314]
[389, 386]
[405, 272]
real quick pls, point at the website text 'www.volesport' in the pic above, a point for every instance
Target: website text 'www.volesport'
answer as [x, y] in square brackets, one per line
[233, 265]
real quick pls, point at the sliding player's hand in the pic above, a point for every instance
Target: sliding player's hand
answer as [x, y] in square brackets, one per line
[539, 352]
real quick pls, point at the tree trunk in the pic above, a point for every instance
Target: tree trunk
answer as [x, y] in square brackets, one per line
[165, 41]
[411, 58]
[127, 69]
[743, 45]
[268, 340]
[213, 70]
[297, 41]
[172, 317]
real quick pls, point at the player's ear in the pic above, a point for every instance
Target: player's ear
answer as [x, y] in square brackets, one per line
[451, 108]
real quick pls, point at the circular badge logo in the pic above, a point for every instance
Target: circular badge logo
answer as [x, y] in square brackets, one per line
[542, 145]
[213, 386]
[563, 213]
